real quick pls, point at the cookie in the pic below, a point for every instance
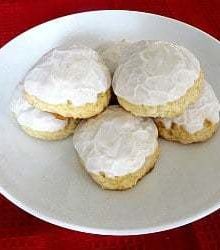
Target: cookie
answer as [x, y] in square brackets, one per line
[111, 53]
[198, 123]
[70, 81]
[159, 79]
[37, 123]
[116, 148]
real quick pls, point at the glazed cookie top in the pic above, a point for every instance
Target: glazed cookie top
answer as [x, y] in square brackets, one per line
[111, 53]
[73, 74]
[206, 107]
[115, 142]
[33, 118]
[156, 72]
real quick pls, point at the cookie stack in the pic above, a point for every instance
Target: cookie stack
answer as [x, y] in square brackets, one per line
[159, 86]
[65, 85]
[166, 82]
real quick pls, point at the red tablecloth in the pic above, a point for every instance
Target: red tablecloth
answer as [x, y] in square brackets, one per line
[19, 230]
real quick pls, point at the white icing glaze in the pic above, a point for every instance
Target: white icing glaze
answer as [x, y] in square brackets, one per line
[33, 118]
[135, 47]
[115, 142]
[111, 53]
[206, 107]
[74, 73]
[155, 73]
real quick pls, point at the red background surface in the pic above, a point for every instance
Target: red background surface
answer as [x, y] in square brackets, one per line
[19, 230]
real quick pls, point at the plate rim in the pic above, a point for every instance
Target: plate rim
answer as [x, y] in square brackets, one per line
[113, 232]
[99, 231]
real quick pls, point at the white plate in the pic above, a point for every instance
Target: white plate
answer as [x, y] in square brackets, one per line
[45, 178]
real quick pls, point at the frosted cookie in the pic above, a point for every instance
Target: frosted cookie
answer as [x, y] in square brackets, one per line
[116, 148]
[40, 124]
[70, 81]
[158, 79]
[111, 53]
[197, 123]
